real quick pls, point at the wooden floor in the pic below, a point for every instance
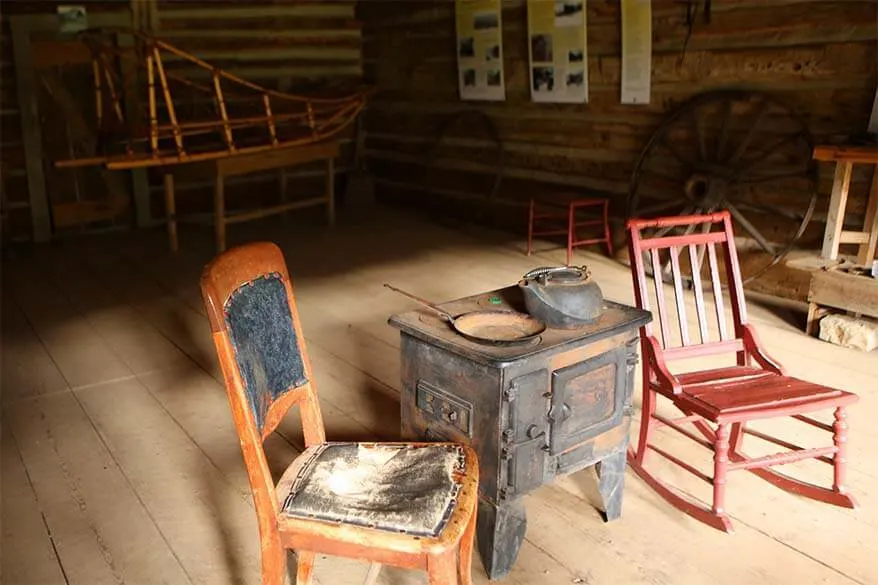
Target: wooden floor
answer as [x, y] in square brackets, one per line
[120, 463]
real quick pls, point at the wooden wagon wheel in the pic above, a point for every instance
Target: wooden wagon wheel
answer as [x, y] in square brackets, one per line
[737, 150]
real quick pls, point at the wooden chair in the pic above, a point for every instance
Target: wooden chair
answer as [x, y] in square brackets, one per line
[569, 222]
[721, 402]
[404, 504]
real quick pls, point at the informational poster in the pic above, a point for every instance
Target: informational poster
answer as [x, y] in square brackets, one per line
[480, 50]
[636, 51]
[558, 59]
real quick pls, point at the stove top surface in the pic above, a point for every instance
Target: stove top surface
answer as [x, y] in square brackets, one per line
[430, 327]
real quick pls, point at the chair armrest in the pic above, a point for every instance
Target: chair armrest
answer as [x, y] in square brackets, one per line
[755, 349]
[654, 360]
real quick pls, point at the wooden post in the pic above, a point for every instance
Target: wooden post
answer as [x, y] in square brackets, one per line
[99, 105]
[171, 211]
[153, 121]
[31, 132]
[330, 191]
[838, 201]
[870, 226]
[219, 211]
[283, 189]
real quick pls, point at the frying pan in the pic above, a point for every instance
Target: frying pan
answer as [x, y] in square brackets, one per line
[495, 327]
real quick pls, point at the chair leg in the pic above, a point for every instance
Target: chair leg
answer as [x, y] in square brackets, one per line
[697, 510]
[607, 229]
[720, 468]
[441, 568]
[304, 567]
[274, 563]
[465, 554]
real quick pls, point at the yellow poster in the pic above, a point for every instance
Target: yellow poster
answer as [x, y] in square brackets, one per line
[557, 47]
[480, 50]
[636, 51]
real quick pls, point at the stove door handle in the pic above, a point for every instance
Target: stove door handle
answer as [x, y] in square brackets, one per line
[531, 432]
[562, 416]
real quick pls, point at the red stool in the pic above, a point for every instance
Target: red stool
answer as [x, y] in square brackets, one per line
[569, 215]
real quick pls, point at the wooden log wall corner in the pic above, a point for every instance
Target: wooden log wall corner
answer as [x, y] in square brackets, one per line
[817, 55]
[285, 44]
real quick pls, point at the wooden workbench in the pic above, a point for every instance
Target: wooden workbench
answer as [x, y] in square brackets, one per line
[233, 166]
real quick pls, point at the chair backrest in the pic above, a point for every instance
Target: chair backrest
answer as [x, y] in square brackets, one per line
[661, 252]
[261, 350]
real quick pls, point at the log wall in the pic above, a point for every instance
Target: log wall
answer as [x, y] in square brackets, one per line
[817, 56]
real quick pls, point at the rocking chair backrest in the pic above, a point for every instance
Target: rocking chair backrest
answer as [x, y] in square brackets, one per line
[715, 334]
[258, 338]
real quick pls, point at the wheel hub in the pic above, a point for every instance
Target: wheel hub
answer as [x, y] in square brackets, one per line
[705, 191]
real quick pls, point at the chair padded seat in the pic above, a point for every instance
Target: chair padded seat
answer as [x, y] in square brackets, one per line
[742, 389]
[401, 488]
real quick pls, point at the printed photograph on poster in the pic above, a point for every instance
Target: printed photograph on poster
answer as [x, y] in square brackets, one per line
[486, 20]
[479, 49]
[467, 47]
[469, 77]
[575, 56]
[541, 48]
[543, 79]
[568, 13]
[575, 81]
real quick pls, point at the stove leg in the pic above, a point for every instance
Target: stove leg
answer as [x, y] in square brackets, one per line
[500, 530]
[611, 483]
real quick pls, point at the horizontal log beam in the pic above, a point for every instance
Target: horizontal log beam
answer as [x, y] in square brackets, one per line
[303, 10]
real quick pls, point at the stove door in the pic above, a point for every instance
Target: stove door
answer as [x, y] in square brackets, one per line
[588, 399]
[525, 437]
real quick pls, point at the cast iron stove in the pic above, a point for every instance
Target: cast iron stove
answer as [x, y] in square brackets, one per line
[534, 411]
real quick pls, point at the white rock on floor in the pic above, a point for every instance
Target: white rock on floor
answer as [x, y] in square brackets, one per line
[858, 333]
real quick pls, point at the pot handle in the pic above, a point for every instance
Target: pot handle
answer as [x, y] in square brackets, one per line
[541, 273]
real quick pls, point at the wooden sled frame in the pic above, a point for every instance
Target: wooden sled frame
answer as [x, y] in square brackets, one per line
[315, 119]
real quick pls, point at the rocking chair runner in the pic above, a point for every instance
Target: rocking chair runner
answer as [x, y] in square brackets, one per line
[720, 402]
[404, 504]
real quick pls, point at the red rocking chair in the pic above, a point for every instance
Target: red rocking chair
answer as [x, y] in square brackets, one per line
[720, 402]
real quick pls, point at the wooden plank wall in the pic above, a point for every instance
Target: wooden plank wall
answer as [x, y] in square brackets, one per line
[819, 56]
[285, 44]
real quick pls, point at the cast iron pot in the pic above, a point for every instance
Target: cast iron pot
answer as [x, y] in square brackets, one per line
[564, 297]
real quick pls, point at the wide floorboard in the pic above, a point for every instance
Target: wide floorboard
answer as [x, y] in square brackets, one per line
[120, 462]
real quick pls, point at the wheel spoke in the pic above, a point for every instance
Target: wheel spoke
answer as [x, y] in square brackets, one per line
[769, 209]
[658, 207]
[677, 154]
[671, 178]
[724, 131]
[699, 134]
[788, 172]
[762, 155]
[750, 228]
[746, 141]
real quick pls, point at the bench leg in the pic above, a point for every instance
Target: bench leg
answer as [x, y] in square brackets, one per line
[330, 192]
[219, 212]
[171, 212]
